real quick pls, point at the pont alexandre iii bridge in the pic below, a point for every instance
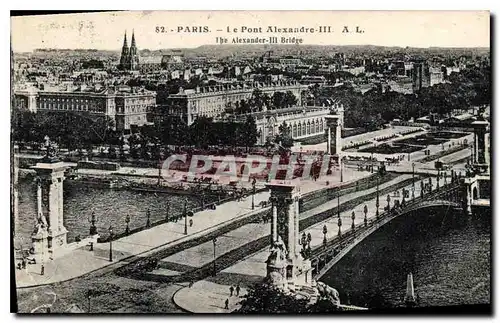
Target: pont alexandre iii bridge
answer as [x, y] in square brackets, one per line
[325, 256]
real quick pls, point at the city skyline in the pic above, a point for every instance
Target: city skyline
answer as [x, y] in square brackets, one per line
[464, 29]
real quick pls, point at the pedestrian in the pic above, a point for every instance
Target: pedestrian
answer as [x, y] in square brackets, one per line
[231, 290]
[226, 307]
[19, 266]
[238, 290]
[191, 284]
[23, 263]
[42, 270]
[190, 222]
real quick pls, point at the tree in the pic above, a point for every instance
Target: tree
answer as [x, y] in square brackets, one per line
[284, 137]
[202, 132]
[265, 299]
[290, 99]
[248, 133]
[257, 99]
[278, 100]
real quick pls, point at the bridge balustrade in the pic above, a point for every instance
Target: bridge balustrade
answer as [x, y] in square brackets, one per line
[324, 252]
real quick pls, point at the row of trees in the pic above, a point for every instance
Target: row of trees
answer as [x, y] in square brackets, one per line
[470, 87]
[70, 130]
[80, 131]
[259, 100]
[204, 132]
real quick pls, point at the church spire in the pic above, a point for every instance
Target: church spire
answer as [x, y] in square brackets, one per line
[133, 54]
[125, 40]
[133, 39]
[124, 58]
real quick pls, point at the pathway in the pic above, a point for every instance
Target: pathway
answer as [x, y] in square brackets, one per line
[252, 269]
[143, 243]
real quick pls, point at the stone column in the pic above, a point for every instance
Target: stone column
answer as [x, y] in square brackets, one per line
[296, 225]
[334, 135]
[480, 128]
[274, 221]
[285, 227]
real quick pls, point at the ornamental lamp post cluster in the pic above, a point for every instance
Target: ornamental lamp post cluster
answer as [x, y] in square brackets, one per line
[353, 217]
[325, 231]
[254, 181]
[127, 221]
[110, 243]
[339, 223]
[214, 241]
[185, 213]
[167, 211]
[377, 201]
[413, 174]
[365, 211]
[148, 218]
[93, 221]
[341, 171]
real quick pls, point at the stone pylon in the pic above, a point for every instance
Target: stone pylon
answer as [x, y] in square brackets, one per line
[49, 236]
[286, 268]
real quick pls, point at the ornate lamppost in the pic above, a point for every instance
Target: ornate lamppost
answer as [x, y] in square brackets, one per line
[377, 201]
[93, 221]
[185, 217]
[422, 188]
[110, 243]
[353, 217]
[413, 174]
[254, 181]
[341, 171]
[127, 221]
[325, 231]
[365, 211]
[202, 197]
[148, 218]
[167, 211]
[214, 241]
[339, 223]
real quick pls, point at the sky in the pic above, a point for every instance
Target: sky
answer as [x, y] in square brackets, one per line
[105, 30]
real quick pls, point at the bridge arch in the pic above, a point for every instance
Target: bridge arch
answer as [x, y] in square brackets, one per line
[342, 247]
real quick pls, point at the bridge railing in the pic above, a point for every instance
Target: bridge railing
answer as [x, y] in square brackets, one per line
[338, 243]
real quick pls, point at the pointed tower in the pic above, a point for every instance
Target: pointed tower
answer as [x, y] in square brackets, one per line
[133, 54]
[124, 58]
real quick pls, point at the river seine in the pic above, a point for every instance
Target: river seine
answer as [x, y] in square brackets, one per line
[110, 207]
[449, 258]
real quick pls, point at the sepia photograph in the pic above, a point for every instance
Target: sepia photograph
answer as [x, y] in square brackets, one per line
[250, 162]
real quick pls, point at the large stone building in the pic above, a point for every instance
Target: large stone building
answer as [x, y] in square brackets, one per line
[127, 106]
[304, 122]
[212, 101]
[129, 59]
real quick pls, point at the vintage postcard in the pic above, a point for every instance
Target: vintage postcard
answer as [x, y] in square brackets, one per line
[234, 162]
